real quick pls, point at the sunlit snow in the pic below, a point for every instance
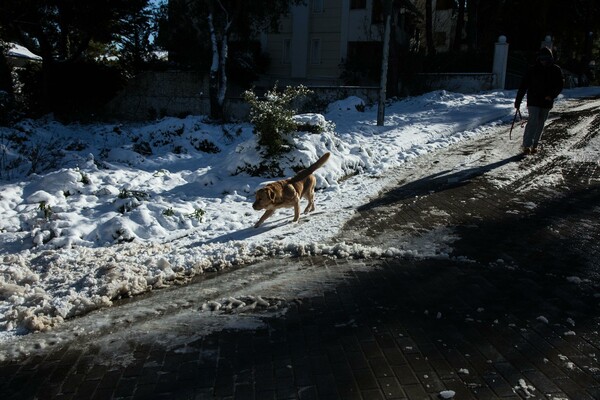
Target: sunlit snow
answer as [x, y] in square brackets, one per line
[96, 212]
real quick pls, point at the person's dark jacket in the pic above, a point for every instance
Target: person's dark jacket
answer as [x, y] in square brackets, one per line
[543, 84]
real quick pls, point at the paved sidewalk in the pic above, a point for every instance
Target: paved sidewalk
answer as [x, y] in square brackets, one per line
[511, 313]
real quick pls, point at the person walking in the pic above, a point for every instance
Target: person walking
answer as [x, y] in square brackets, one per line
[542, 82]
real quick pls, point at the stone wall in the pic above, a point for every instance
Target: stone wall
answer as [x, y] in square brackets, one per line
[452, 82]
[180, 93]
[155, 94]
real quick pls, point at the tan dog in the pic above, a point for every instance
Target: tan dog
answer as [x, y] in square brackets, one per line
[288, 192]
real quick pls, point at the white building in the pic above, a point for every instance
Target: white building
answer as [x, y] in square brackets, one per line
[315, 39]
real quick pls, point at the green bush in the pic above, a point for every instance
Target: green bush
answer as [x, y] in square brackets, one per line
[272, 116]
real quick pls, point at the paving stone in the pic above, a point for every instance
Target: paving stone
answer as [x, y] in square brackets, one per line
[125, 387]
[401, 328]
[405, 375]
[415, 392]
[497, 384]
[103, 394]
[443, 369]
[86, 390]
[365, 379]
[244, 391]
[308, 393]
[342, 373]
[391, 388]
[374, 394]
[380, 367]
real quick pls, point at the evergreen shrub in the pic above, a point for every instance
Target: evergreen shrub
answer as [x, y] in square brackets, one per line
[272, 116]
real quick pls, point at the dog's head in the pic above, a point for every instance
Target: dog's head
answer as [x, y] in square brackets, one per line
[264, 198]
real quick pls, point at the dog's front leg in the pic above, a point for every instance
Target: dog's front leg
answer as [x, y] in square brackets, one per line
[262, 219]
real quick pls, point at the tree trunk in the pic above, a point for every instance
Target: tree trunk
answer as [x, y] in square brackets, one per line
[223, 73]
[216, 109]
[429, 27]
[216, 68]
[460, 23]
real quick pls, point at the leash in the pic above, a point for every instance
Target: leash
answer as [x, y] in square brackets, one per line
[517, 113]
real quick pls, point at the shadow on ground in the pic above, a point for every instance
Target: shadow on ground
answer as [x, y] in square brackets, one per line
[433, 184]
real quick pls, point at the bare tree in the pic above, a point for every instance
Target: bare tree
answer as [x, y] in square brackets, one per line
[221, 21]
[429, 26]
[219, 41]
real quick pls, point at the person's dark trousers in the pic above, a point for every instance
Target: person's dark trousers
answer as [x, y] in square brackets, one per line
[535, 126]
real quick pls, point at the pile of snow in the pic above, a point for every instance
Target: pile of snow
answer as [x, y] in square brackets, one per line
[95, 212]
[311, 119]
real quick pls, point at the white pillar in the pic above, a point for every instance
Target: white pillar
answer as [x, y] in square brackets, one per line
[500, 62]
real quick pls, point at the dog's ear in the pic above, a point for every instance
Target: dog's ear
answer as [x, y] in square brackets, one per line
[271, 194]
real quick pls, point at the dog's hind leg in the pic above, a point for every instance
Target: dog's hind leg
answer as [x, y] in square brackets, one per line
[310, 196]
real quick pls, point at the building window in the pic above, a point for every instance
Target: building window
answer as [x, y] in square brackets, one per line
[317, 6]
[287, 51]
[315, 51]
[358, 4]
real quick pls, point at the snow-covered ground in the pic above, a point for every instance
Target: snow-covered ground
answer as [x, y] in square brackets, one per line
[122, 209]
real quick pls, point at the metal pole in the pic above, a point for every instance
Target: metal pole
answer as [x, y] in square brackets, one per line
[384, 64]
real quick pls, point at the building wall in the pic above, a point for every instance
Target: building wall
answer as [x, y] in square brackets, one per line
[359, 25]
[332, 27]
[325, 26]
[452, 82]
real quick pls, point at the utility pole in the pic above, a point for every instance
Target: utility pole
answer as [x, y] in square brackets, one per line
[384, 62]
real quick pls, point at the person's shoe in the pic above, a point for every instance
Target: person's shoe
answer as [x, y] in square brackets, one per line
[533, 150]
[527, 150]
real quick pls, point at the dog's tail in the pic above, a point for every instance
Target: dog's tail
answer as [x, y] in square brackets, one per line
[306, 172]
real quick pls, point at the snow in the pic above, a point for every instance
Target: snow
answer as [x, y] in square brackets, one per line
[95, 212]
[16, 50]
[447, 394]
[524, 389]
